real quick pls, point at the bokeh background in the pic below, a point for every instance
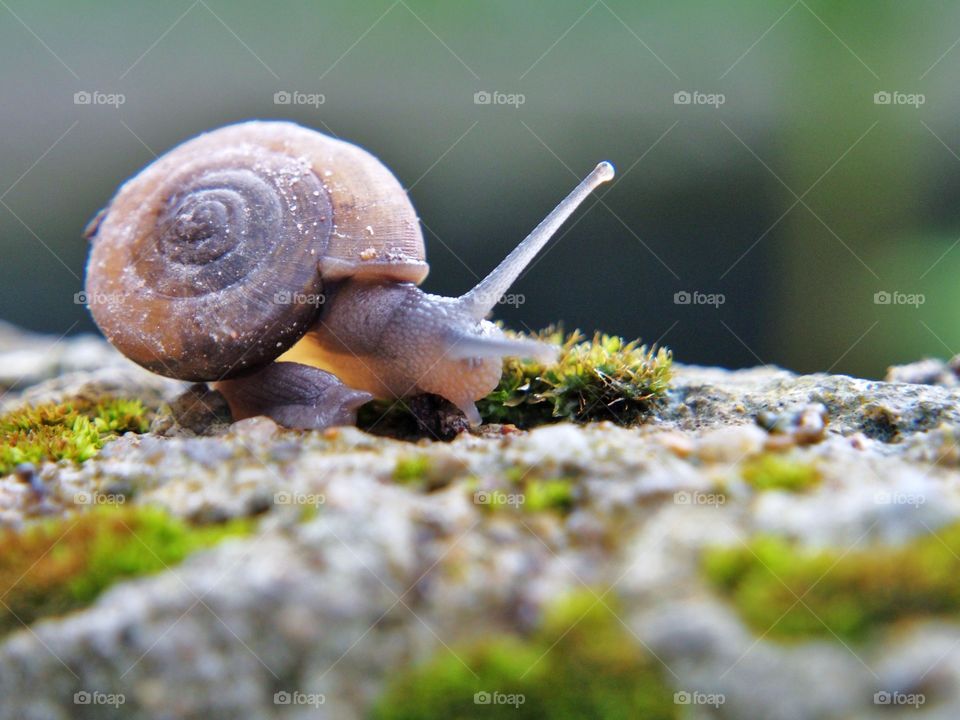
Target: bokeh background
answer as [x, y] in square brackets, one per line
[787, 184]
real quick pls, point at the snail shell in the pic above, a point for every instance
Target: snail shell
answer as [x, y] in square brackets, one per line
[199, 260]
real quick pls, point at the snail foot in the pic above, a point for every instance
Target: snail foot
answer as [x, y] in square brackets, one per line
[293, 395]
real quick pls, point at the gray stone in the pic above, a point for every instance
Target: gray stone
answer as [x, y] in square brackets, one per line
[381, 574]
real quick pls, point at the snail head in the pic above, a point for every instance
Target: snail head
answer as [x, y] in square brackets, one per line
[394, 340]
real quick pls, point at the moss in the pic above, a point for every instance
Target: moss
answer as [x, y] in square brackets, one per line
[66, 431]
[552, 494]
[853, 592]
[581, 663]
[120, 415]
[61, 565]
[428, 472]
[412, 468]
[776, 472]
[604, 378]
[527, 491]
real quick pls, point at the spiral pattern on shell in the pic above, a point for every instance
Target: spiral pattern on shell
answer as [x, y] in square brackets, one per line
[213, 259]
[206, 263]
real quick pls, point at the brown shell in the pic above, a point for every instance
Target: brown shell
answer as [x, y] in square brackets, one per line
[211, 260]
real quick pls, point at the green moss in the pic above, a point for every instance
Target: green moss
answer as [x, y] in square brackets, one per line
[67, 431]
[516, 474]
[604, 378]
[412, 468]
[61, 565]
[120, 415]
[581, 663]
[851, 591]
[552, 494]
[776, 472]
[525, 490]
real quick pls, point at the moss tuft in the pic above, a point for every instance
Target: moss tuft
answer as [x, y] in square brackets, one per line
[527, 491]
[61, 565]
[581, 663]
[604, 378]
[412, 469]
[776, 472]
[120, 415]
[66, 431]
[550, 494]
[851, 591]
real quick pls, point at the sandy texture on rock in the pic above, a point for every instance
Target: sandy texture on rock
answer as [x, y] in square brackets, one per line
[379, 574]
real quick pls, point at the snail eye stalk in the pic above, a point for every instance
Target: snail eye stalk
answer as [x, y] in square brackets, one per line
[483, 298]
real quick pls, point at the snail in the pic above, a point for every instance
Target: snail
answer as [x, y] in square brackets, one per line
[283, 265]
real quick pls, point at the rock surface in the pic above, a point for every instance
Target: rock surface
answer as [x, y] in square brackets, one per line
[384, 573]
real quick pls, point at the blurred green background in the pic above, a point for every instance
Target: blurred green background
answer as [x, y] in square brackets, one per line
[798, 198]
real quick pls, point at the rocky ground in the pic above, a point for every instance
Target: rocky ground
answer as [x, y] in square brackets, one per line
[356, 571]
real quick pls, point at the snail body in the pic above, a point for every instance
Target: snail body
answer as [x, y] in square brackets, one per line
[282, 264]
